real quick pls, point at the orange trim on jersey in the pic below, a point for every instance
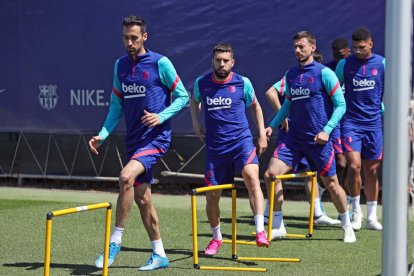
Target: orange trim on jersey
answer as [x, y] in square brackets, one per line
[251, 157]
[147, 152]
[174, 85]
[220, 81]
[326, 169]
[282, 86]
[334, 89]
[116, 92]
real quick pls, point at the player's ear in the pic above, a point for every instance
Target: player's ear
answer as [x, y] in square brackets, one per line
[145, 36]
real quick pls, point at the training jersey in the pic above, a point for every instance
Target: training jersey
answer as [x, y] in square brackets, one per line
[314, 102]
[144, 84]
[224, 104]
[364, 81]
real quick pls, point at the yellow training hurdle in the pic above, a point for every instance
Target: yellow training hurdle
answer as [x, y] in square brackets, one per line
[311, 210]
[234, 241]
[62, 212]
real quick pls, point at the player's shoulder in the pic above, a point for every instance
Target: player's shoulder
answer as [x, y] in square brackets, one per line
[378, 58]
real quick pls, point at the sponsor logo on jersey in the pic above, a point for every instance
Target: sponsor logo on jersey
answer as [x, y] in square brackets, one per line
[48, 97]
[133, 90]
[363, 84]
[218, 103]
[299, 93]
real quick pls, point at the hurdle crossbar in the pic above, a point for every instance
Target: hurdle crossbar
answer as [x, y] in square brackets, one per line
[62, 212]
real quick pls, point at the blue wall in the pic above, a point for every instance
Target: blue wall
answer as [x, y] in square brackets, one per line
[72, 45]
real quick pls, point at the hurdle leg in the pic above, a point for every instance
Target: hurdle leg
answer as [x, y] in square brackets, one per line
[106, 241]
[233, 223]
[194, 226]
[271, 206]
[48, 243]
[312, 206]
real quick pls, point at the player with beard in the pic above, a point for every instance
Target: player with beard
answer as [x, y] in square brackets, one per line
[314, 104]
[224, 96]
[142, 87]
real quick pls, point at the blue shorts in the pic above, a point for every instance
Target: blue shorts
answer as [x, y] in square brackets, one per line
[220, 167]
[320, 157]
[368, 142]
[336, 140]
[303, 163]
[148, 156]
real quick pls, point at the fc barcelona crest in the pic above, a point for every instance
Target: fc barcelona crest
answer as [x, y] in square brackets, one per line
[48, 97]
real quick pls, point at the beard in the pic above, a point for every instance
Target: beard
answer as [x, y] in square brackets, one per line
[303, 58]
[221, 73]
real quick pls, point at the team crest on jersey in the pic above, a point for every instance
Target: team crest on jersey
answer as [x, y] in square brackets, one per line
[232, 89]
[310, 80]
[145, 75]
[374, 72]
[48, 96]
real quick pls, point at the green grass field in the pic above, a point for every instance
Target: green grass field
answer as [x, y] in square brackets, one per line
[77, 239]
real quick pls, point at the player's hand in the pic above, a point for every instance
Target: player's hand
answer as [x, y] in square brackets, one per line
[261, 144]
[94, 144]
[268, 131]
[322, 138]
[150, 119]
[199, 131]
[285, 125]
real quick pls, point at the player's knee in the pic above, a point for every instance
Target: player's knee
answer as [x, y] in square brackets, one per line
[142, 200]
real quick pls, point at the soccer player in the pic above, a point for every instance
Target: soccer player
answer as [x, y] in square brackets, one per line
[314, 104]
[340, 50]
[275, 96]
[224, 96]
[142, 87]
[362, 139]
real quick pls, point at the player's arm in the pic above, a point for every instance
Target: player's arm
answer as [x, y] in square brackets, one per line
[273, 98]
[339, 71]
[256, 109]
[114, 114]
[171, 80]
[333, 88]
[195, 108]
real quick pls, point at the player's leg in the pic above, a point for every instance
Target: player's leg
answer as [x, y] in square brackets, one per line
[219, 170]
[276, 167]
[250, 174]
[352, 145]
[338, 197]
[370, 168]
[372, 155]
[124, 203]
[322, 157]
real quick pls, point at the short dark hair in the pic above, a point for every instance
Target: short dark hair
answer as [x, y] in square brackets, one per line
[223, 47]
[339, 44]
[317, 56]
[361, 34]
[305, 34]
[132, 20]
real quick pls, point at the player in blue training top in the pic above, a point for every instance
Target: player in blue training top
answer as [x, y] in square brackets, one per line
[340, 50]
[276, 96]
[362, 139]
[142, 87]
[225, 96]
[314, 104]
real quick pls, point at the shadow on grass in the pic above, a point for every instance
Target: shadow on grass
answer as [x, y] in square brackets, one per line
[75, 268]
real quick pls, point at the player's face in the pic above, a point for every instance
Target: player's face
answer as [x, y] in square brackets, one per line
[303, 50]
[222, 64]
[134, 40]
[340, 54]
[362, 49]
